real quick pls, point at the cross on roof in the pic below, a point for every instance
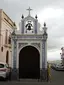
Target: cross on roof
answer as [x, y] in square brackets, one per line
[29, 9]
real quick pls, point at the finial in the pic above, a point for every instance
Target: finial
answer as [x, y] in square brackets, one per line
[62, 48]
[29, 9]
[44, 24]
[36, 17]
[22, 16]
[45, 28]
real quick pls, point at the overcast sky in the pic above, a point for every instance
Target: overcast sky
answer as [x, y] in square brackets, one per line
[50, 11]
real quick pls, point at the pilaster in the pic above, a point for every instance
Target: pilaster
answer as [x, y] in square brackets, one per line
[44, 57]
[22, 26]
[14, 69]
[36, 26]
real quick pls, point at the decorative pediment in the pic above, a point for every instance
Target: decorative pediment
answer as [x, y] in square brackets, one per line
[29, 18]
[29, 24]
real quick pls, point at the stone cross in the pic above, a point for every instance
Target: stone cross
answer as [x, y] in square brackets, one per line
[29, 9]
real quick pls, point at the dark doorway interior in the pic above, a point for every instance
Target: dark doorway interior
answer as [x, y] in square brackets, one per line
[29, 63]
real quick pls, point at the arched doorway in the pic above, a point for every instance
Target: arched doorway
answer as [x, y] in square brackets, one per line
[7, 57]
[29, 63]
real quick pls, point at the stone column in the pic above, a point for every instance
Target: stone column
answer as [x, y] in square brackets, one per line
[44, 58]
[22, 31]
[43, 54]
[14, 59]
[36, 26]
[14, 54]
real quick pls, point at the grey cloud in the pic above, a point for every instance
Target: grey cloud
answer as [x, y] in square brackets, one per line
[15, 8]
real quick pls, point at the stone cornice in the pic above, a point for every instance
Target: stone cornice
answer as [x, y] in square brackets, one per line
[27, 37]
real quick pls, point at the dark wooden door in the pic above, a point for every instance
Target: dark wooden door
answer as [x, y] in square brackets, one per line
[29, 63]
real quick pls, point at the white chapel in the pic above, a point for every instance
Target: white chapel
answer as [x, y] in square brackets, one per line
[29, 49]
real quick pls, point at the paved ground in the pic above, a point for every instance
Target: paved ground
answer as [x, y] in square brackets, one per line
[56, 79]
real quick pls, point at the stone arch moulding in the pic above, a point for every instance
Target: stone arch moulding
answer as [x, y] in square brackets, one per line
[36, 45]
[22, 45]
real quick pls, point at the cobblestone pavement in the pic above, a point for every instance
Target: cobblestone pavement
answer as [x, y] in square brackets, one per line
[57, 78]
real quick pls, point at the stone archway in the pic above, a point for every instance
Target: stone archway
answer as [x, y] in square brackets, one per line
[29, 63]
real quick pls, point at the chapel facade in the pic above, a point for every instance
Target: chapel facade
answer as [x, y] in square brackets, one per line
[29, 49]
